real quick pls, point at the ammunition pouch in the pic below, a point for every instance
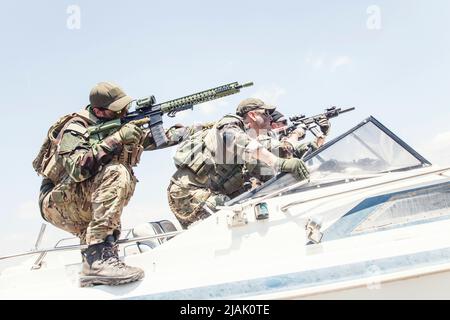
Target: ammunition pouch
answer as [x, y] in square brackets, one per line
[199, 165]
[131, 155]
[226, 179]
[193, 155]
[53, 170]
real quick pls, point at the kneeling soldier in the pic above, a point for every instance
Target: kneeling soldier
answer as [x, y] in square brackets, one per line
[212, 164]
[88, 180]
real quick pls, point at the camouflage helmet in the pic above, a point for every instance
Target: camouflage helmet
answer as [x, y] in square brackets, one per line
[252, 104]
[107, 95]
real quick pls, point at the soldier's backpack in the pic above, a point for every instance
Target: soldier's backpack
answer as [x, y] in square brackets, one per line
[45, 163]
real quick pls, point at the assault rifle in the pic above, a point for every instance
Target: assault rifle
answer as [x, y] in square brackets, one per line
[310, 123]
[149, 114]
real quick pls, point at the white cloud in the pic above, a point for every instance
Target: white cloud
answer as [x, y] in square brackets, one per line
[443, 138]
[270, 95]
[328, 63]
[437, 149]
[315, 62]
[205, 109]
[138, 212]
[229, 64]
[339, 62]
[28, 210]
[211, 107]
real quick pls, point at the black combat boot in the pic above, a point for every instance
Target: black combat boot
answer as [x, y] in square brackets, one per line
[101, 265]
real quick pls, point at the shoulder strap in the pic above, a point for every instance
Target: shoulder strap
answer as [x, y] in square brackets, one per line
[77, 128]
[73, 122]
[229, 119]
[88, 116]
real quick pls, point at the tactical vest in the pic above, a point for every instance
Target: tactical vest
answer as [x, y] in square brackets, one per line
[200, 154]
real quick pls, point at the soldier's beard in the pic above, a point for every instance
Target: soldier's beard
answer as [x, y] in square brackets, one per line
[106, 114]
[263, 123]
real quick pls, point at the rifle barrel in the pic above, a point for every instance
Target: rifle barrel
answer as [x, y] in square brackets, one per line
[248, 84]
[347, 110]
[330, 113]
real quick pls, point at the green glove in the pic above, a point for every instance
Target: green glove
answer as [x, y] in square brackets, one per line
[294, 166]
[129, 134]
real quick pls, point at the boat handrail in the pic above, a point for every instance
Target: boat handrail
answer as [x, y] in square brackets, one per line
[75, 247]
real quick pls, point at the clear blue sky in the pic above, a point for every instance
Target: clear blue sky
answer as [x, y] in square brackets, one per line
[302, 55]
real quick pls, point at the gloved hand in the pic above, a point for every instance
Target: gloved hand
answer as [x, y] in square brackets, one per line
[324, 125]
[285, 149]
[129, 134]
[294, 166]
[300, 132]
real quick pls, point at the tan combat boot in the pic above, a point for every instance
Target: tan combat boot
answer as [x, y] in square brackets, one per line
[101, 265]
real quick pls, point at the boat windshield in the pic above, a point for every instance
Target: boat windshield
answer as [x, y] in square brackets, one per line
[368, 148]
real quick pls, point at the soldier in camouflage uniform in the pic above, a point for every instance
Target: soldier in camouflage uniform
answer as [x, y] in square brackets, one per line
[298, 149]
[212, 164]
[89, 180]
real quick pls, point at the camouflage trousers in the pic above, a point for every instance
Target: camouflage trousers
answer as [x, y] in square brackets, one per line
[186, 202]
[91, 209]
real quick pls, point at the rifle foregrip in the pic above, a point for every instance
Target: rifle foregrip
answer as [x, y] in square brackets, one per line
[141, 122]
[107, 126]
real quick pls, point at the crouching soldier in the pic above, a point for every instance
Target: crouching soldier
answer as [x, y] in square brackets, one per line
[88, 180]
